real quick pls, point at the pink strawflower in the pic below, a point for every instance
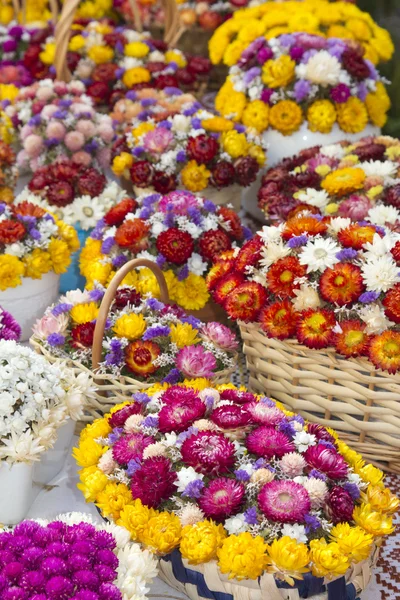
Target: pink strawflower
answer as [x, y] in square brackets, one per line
[119, 418]
[327, 461]
[82, 158]
[222, 498]
[56, 130]
[44, 93]
[106, 463]
[49, 110]
[178, 201]
[208, 452]
[33, 145]
[220, 335]
[158, 140]
[265, 441]
[355, 207]
[179, 392]
[194, 361]
[320, 432]
[284, 501]
[74, 140]
[50, 324]
[154, 481]
[61, 88]
[179, 414]
[86, 127]
[230, 416]
[263, 414]
[106, 132]
[104, 157]
[292, 464]
[130, 446]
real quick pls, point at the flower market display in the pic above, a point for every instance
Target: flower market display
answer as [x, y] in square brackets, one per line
[8, 172]
[296, 78]
[74, 557]
[356, 180]
[182, 233]
[144, 338]
[195, 150]
[58, 122]
[226, 476]
[9, 328]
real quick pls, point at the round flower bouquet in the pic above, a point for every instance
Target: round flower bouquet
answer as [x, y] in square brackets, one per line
[8, 172]
[318, 308]
[74, 557]
[35, 248]
[180, 232]
[348, 180]
[237, 495]
[195, 151]
[37, 401]
[9, 328]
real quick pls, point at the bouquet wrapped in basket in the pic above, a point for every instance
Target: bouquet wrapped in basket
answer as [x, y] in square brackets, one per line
[317, 303]
[356, 180]
[237, 495]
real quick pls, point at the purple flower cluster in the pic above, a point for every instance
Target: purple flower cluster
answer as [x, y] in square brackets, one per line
[58, 562]
[9, 328]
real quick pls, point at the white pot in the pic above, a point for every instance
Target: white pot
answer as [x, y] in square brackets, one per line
[22, 182]
[16, 492]
[28, 301]
[282, 146]
[229, 195]
[53, 460]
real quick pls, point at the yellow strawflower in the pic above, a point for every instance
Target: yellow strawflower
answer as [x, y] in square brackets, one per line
[142, 129]
[48, 55]
[99, 272]
[286, 117]
[183, 334]
[147, 283]
[373, 522]
[93, 481]
[256, 115]
[327, 560]
[177, 57]
[343, 181]
[77, 42]
[288, 559]
[135, 517]
[113, 499]
[88, 453]
[100, 54]
[37, 263]
[99, 428]
[258, 153]
[136, 49]
[130, 326]
[234, 52]
[352, 115]
[11, 271]
[191, 293]
[234, 143]
[354, 542]
[83, 313]
[197, 384]
[195, 177]
[217, 124]
[60, 255]
[136, 75]
[8, 91]
[279, 72]
[122, 163]
[242, 556]
[200, 542]
[321, 116]
[90, 252]
[69, 235]
[229, 102]
[371, 475]
[381, 499]
[162, 534]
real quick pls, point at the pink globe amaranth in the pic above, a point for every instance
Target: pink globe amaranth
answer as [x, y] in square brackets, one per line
[154, 482]
[104, 157]
[82, 158]
[56, 130]
[355, 207]
[33, 145]
[44, 93]
[178, 201]
[340, 505]
[177, 415]
[106, 132]
[265, 441]
[284, 501]
[119, 418]
[263, 414]
[74, 140]
[195, 361]
[209, 453]
[86, 127]
[220, 335]
[327, 461]
[130, 446]
[230, 416]
[222, 498]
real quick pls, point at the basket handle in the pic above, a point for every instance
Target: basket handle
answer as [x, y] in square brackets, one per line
[110, 295]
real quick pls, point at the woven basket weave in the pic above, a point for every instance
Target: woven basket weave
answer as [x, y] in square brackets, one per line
[113, 389]
[349, 395]
[201, 582]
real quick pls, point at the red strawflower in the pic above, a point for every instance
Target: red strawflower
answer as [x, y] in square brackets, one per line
[274, 203]
[384, 351]
[355, 64]
[308, 179]
[372, 151]
[105, 72]
[210, 20]
[91, 182]
[60, 194]
[125, 296]
[202, 148]
[64, 170]
[153, 482]
[303, 207]
[112, 38]
[155, 66]
[31, 56]
[327, 461]
[245, 302]
[282, 275]
[300, 225]
[249, 254]
[40, 179]
[353, 340]
[199, 65]
[11, 231]
[284, 501]
[163, 81]
[314, 327]
[212, 243]
[208, 452]
[99, 92]
[139, 357]
[231, 217]
[82, 335]
[223, 174]
[340, 505]
[117, 214]
[392, 196]
[395, 251]
[185, 77]
[246, 170]
[391, 302]
[176, 245]
[132, 234]
[279, 320]
[130, 447]
[141, 173]
[119, 418]
[163, 183]
[222, 498]
[73, 59]
[269, 443]
[217, 271]
[27, 209]
[342, 284]
[226, 285]
[355, 236]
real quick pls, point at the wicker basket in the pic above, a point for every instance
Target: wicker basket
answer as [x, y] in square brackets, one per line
[113, 389]
[201, 582]
[349, 395]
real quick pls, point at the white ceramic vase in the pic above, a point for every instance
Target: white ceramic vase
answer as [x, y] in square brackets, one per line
[16, 491]
[28, 301]
[282, 146]
[53, 460]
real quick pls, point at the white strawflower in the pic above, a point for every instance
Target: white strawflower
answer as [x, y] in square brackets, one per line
[375, 319]
[205, 425]
[318, 198]
[273, 252]
[75, 297]
[380, 246]
[306, 297]
[185, 476]
[322, 69]
[333, 151]
[317, 490]
[380, 274]
[190, 514]
[296, 532]
[107, 463]
[196, 264]
[337, 224]
[377, 168]
[304, 440]
[381, 214]
[236, 524]
[157, 449]
[133, 423]
[292, 464]
[319, 254]
[271, 233]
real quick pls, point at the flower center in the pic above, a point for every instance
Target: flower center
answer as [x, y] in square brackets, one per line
[339, 280]
[284, 497]
[88, 212]
[320, 253]
[353, 338]
[391, 349]
[286, 276]
[142, 356]
[316, 322]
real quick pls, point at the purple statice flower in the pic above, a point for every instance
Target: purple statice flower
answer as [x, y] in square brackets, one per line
[131, 95]
[312, 523]
[51, 142]
[59, 309]
[196, 123]
[35, 120]
[48, 218]
[336, 50]
[3, 207]
[247, 233]
[353, 490]
[173, 377]
[154, 304]
[141, 397]
[173, 65]
[35, 233]
[9, 328]
[317, 474]
[119, 73]
[96, 295]
[308, 54]
[368, 297]
[264, 54]
[107, 245]
[251, 74]
[185, 435]
[296, 53]
[145, 213]
[286, 40]
[287, 428]
[144, 115]
[91, 146]
[327, 444]
[189, 112]
[172, 91]
[160, 261]
[260, 463]
[150, 199]
[209, 206]
[209, 402]
[181, 156]
[250, 516]
[239, 128]
[150, 421]
[194, 489]
[373, 73]
[133, 465]
[195, 215]
[169, 219]
[156, 331]
[115, 435]
[119, 260]
[266, 95]
[97, 233]
[346, 254]
[165, 124]
[379, 229]
[297, 241]
[340, 93]
[362, 91]
[56, 339]
[301, 90]
[267, 401]
[65, 103]
[148, 102]
[138, 151]
[60, 114]
[183, 273]
[242, 475]
[195, 323]
[115, 356]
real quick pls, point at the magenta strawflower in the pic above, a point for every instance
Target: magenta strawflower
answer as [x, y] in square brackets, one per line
[178, 414]
[130, 446]
[327, 461]
[220, 335]
[284, 501]
[222, 498]
[153, 482]
[208, 452]
[340, 505]
[195, 361]
[237, 396]
[230, 416]
[118, 418]
[9, 328]
[263, 414]
[265, 441]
